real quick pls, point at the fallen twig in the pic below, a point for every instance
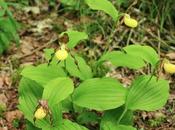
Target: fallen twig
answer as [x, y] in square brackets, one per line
[38, 49]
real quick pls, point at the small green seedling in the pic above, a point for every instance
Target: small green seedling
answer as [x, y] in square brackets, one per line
[8, 27]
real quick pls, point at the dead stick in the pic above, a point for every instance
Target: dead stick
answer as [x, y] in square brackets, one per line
[38, 49]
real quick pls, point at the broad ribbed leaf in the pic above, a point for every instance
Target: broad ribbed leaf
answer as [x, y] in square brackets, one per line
[57, 90]
[67, 105]
[30, 126]
[49, 55]
[77, 67]
[7, 33]
[88, 117]
[2, 12]
[9, 29]
[119, 58]
[4, 40]
[72, 68]
[113, 116]
[1, 47]
[110, 126]
[9, 26]
[100, 94]
[67, 125]
[104, 5]
[145, 52]
[43, 73]
[56, 114]
[75, 37]
[148, 94]
[86, 72]
[29, 94]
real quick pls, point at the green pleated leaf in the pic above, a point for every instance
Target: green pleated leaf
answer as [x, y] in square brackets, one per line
[29, 94]
[2, 12]
[86, 72]
[16, 27]
[72, 68]
[148, 94]
[9, 29]
[109, 126]
[88, 117]
[77, 67]
[147, 53]
[4, 40]
[10, 26]
[57, 90]
[119, 58]
[1, 47]
[48, 54]
[67, 125]
[75, 37]
[30, 126]
[67, 105]
[43, 73]
[100, 94]
[113, 116]
[56, 114]
[104, 5]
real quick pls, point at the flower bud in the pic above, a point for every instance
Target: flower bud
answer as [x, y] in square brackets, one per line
[61, 54]
[40, 113]
[168, 67]
[130, 22]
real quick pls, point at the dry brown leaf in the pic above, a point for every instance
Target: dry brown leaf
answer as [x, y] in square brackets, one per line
[98, 40]
[26, 45]
[1, 82]
[7, 81]
[3, 101]
[3, 128]
[41, 25]
[11, 115]
[171, 55]
[34, 9]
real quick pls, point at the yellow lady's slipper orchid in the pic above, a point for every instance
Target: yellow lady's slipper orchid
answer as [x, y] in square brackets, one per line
[168, 67]
[40, 113]
[130, 22]
[61, 54]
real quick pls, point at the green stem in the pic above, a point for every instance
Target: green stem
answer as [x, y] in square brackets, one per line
[122, 115]
[110, 38]
[72, 104]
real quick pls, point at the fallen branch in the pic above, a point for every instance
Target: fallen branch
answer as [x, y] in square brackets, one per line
[38, 49]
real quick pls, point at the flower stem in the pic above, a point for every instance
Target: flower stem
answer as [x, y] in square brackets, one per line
[122, 115]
